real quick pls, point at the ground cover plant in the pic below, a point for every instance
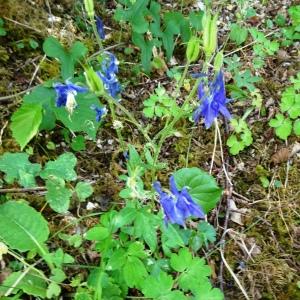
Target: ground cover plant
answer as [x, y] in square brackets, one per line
[149, 150]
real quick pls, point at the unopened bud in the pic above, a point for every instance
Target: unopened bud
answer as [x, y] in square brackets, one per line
[192, 50]
[89, 8]
[94, 81]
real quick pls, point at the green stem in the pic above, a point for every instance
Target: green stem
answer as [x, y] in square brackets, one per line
[114, 118]
[96, 34]
[130, 116]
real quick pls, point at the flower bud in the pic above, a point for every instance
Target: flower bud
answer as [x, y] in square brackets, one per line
[192, 50]
[209, 35]
[93, 81]
[218, 62]
[89, 8]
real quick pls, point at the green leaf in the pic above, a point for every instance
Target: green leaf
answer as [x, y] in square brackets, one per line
[207, 233]
[235, 146]
[124, 217]
[22, 227]
[136, 249]
[18, 167]
[97, 233]
[83, 190]
[116, 260]
[83, 118]
[290, 102]
[58, 196]
[134, 272]
[33, 43]
[54, 49]
[201, 186]
[53, 290]
[297, 127]
[58, 275]
[238, 34]
[25, 123]
[206, 292]
[62, 167]
[46, 97]
[181, 261]
[78, 143]
[31, 284]
[155, 286]
[283, 126]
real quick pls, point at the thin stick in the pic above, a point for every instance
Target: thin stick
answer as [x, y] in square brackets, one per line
[214, 150]
[23, 190]
[4, 98]
[36, 70]
[233, 275]
[24, 25]
[2, 131]
[222, 153]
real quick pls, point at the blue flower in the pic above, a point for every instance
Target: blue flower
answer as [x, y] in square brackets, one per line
[65, 93]
[179, 205]
[100, 28]
[100, 112]
[213, 101]
[108, 71]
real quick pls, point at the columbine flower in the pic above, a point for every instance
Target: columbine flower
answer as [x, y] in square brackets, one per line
[107, 74]
[65, 94]
[100, 112]
[179, 205]
[213, 101]
[100, 28]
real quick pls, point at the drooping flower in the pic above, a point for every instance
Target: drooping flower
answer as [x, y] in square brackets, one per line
[100, 27]
[213, 101]
[65, 93]
[109, 69]
[100, 112]
[179, 205]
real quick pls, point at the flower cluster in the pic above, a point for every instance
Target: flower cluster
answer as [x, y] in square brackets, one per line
[179, 205]
[213, 101]
[109, 69]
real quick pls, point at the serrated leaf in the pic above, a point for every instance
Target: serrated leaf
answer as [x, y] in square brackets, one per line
[136, 249]
[25, 123]
[238, 34]
[22, 227]
[18, 167]
[134, 272]
[156, 286]
[181, 261]
[201, 186]
[83, 190]
[58, 196]
[62, 167]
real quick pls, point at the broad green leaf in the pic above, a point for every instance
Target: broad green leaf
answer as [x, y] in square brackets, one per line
[31, 284]
[83, 118]
[83, 190]
[181, 261]
[207, 233]
[134, 272]
[16, 166]
[201, 186]
[97, 233]
[58, 196]
[171, 238]
[290, 102]
[58, 275]
[116, 260]
[21, 227]
[62, 167]
[78, 143]
[25, 123]
[78, 51]
[45, 97]
[235, 145]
